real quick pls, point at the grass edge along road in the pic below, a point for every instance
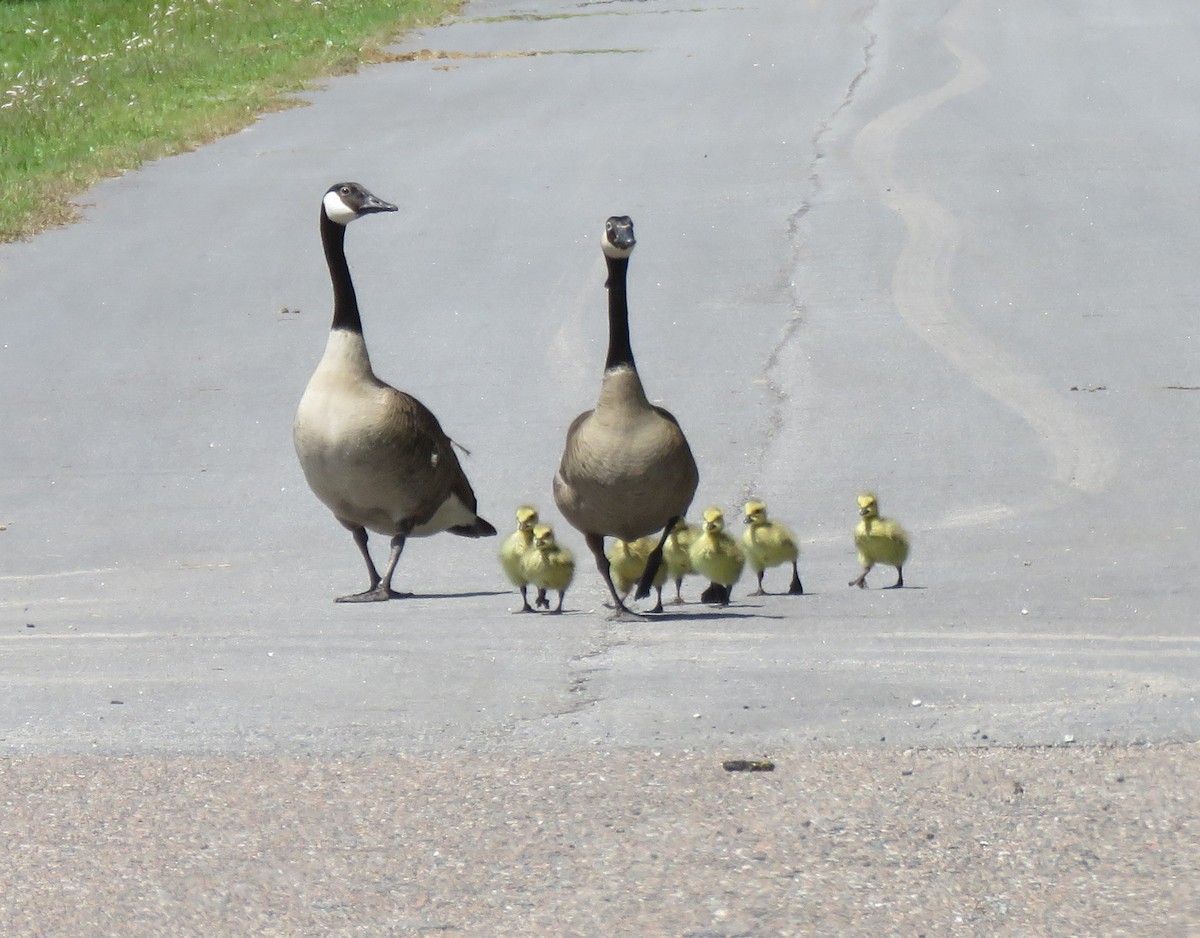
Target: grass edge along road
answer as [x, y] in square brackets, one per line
[93, 88]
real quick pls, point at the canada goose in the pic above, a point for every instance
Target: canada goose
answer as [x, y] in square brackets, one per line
[514, 546]
[675, 555]
[879, 540]
[627, 563]
[769, 544]
[627, 470]
[547, 566]
[375, 456]
[717, 556]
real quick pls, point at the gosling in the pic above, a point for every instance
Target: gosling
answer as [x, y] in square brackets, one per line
[769, 544]
[717, 556]
[547, 566]
[675, 555]
[879, 540]
[513, 549]
[627, 562]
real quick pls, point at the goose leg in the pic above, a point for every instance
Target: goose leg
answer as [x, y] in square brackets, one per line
[595, 543]
[797, 588]
[678, 600]
[760, 591]
[561, 596]
[380, 589]
[541, 602]
[652, 564]
[899, 584]
[525, 607]
[360, 539]
[659, 606]
[861, 581]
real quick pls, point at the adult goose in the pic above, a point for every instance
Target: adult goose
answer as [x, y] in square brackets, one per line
[627, 470]
[377, 457]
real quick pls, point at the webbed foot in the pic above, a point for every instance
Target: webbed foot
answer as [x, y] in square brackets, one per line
[379, 594]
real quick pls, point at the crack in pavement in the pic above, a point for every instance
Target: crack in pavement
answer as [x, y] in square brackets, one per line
[1082, 451]
[780, 397]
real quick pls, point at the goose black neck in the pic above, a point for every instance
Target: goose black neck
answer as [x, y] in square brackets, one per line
[345, 303]
[620, 352]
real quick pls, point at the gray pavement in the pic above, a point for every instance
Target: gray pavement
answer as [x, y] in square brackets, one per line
[941, 250]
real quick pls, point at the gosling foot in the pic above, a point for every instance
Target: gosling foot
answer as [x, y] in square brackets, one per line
[717, 594]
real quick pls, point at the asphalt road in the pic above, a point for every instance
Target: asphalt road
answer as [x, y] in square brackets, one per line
[938, 249]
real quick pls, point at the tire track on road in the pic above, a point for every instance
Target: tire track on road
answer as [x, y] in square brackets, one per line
[1083, 454]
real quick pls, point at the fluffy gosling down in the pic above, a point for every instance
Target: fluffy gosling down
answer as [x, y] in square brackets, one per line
[514, 548]
[879, 540]
[717, 556]
[547, 566]
[769, 544]
[627, 562]
[675, 555]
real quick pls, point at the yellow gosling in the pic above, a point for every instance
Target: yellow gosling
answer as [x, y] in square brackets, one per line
[627, 562]
[769, 544]
[547, 566]
[879, 540]
[513, 549]
[717, 556]
[675, 555]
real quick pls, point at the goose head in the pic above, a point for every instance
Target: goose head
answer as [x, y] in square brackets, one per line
[867, 506]
[714, 521]
[543, 537]
[756, 512]
[346, 201]
[527, 517]
[618, 237]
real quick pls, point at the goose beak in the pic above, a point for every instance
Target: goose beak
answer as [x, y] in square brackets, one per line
[376, 204]
[622, 240]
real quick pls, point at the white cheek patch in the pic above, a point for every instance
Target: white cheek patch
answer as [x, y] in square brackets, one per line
[337, 210]
[611, 250]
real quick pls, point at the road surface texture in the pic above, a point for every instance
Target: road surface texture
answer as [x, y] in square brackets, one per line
[943, 250]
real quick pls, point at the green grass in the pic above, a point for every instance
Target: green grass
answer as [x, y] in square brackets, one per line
[91, 88]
